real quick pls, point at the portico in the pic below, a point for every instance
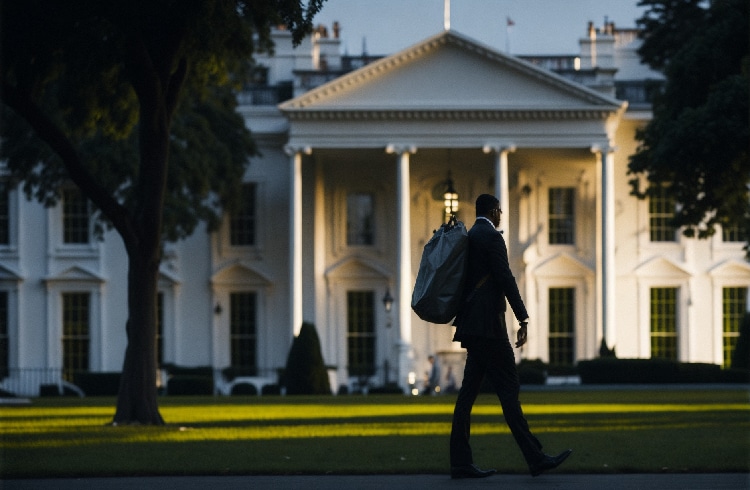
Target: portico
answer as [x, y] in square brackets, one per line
[394, 130]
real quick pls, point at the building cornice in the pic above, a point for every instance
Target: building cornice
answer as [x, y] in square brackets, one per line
[452, 115]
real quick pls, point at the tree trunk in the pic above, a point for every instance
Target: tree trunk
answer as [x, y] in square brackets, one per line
[137, 398]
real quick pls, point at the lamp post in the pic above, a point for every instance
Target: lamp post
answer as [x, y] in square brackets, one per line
[388, 304]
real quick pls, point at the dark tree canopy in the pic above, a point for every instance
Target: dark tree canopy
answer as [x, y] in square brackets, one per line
[133, 102]
[696, 146]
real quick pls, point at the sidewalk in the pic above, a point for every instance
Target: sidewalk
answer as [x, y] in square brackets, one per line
[701, 481]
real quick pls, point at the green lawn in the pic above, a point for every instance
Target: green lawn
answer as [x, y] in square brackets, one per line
[610, 431]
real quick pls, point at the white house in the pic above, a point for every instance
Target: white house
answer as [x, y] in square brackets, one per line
[356, 155]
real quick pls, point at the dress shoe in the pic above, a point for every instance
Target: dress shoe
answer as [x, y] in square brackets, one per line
[470, 471]
[549, 462]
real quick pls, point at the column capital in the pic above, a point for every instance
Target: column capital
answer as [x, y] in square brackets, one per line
[602, 149]
[292, 150]
[499, 148]
[400, 148]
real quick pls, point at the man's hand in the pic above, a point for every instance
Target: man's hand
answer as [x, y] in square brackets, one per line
[521, 335]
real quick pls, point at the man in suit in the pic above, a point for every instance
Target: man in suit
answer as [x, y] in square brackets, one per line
[481, 329]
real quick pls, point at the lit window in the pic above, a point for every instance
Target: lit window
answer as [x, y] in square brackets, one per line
[664, 323]
[561, 326]
[734, 306]
[361, 333]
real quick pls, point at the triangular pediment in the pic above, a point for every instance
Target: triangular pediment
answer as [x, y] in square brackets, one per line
[356, 268]
[731, 269]
[663, 268]
[450, 71]
[240, 274]
[562, 265]
[7, 274]
[75, 274]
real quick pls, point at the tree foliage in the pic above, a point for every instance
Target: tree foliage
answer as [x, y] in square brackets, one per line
[696, 146]
[133, 102]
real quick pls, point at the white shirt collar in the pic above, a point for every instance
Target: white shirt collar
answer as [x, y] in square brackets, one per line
[487, 220]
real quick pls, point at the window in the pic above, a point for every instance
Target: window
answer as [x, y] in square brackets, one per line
[734, 306]
[360, 219]
[660, 214]
[664, 323]
[75, 337]
[4, 344]
[4, 214]
[75, 217]
[561, 326]
[243, 336]
[243, 221]
[361, 333]
[561, 224]
[732, 233]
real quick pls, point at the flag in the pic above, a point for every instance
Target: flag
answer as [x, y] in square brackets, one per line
[510, 22]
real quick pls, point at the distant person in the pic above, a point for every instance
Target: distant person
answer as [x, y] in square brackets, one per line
[482, 331]
[432, 386]
[450, 381]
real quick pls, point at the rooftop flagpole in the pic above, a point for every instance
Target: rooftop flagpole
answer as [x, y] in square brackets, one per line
[447, 15]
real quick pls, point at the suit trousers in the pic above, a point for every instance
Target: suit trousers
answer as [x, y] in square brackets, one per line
[495, 359]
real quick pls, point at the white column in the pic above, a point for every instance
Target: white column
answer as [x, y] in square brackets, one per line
[605, 242]
[295, 236]
[500, 153]
[404, 280]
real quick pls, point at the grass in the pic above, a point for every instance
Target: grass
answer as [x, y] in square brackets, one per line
[610, 431]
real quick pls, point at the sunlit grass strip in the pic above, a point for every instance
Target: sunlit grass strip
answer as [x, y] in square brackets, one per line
[15, 419]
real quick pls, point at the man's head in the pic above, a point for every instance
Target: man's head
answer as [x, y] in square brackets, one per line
[488, 206]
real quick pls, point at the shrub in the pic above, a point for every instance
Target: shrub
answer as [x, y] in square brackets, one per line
[98, 384]
[189, 384]
[305, 372]
[244, 389]
[532, 372]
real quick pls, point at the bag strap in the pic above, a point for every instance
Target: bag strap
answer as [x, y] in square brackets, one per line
[476, 288]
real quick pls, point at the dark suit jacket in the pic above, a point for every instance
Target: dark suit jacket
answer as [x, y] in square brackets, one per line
[481, 310]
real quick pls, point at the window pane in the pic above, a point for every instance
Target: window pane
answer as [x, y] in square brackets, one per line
[561, 326]
[75, 334]
[734, 306]
[243, 336]
[660, 214]
[361, 333]
[561, 222]
[664, 323]
[360, 219]
[75, 217]
[243, 221]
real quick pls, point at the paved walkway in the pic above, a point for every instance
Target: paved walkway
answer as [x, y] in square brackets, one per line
[723, 481]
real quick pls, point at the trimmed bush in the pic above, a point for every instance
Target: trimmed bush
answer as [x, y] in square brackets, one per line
[244, 389]
[305, 372]
[98, 384]
[188, 384]
[532, 372]
[654, 371]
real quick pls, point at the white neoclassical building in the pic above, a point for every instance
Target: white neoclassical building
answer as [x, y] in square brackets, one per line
[357, 153]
